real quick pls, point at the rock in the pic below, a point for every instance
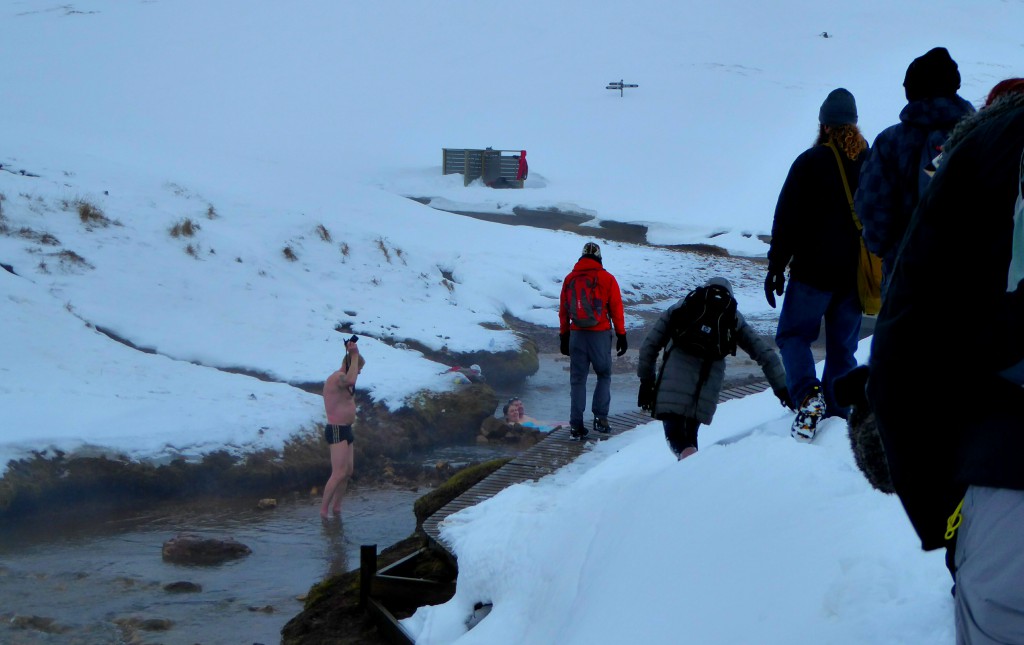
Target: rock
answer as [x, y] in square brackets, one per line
[496, 431]
[182, 586]
[38, 623]
[265, 609]
[188, 548]
[145, 624]
[266, 503]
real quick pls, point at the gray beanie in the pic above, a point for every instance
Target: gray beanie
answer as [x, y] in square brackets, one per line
[839, 108]
[719, 281]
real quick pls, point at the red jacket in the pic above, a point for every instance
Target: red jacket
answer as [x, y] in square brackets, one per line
[524, 168]
[607, 291]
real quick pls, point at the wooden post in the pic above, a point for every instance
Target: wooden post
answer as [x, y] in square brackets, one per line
[367, 571]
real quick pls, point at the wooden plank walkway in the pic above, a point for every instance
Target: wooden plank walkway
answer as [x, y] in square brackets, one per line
[545, 457]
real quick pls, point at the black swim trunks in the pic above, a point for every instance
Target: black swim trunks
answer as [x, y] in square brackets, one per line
[336, 434]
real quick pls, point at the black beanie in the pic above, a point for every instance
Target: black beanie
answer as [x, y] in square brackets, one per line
[839, 108]
[933, 75]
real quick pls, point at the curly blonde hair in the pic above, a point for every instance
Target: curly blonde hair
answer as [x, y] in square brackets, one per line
[847, 137]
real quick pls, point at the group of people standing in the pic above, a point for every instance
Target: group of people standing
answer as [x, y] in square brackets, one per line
[939, 197]
[683, 393]
[836, 191]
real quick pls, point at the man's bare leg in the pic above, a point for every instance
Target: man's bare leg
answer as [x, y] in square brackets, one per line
[349, 468]
[337, 484]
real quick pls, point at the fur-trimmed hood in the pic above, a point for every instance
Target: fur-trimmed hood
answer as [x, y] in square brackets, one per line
[998, 108]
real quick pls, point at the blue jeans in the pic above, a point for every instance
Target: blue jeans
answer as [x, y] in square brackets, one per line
[588, 348]
[799, 326]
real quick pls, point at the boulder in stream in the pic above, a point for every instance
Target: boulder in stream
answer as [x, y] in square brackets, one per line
[188, 548]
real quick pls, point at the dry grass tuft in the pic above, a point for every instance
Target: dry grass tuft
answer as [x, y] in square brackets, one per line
[193, 251]
[90, 214]
[184, 228]
[46, 239]
[289, 254]
[382, 245]
[69, 257]
[322, 231]
[211, 212]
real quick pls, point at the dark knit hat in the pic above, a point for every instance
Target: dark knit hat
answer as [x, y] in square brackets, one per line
[933, 75]
[839, 108]
[593, 250]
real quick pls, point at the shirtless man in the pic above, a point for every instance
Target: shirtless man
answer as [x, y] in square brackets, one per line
[340, 404]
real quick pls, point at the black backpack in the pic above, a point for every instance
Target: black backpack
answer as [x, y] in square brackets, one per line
[705, 325]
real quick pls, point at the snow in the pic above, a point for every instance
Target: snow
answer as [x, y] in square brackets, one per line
[756, 538]
[305, 130]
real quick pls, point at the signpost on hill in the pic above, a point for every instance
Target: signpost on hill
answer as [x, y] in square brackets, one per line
[620, 86]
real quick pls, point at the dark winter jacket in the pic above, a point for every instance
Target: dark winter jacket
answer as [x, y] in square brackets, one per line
[677, 390]
[813, 231]
[948, 326]
[889, 179]
[607, 291]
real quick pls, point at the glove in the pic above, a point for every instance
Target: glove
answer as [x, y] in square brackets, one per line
[783, 394]
[620, 344]
[563, 343]
[645, 398]
[774, 284]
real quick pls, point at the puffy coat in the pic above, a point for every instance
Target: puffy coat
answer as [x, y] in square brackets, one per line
[888, 190]
[607, 291]
[949, 325]
[677, 391]
[813, 230]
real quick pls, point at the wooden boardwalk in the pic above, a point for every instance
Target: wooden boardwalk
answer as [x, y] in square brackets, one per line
[545, 457]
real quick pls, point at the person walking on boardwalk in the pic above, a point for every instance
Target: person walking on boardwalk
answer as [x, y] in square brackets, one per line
[954, 451]
[816, 236]
[340, 404]
[589, 307]
[683, 393]
[894, 174]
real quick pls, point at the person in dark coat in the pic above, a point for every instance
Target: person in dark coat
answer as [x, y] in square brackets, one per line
[891, 180]
[956, 454]
[681, 396]
[814, 234]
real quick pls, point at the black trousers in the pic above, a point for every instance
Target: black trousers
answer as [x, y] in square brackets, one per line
[680, 432]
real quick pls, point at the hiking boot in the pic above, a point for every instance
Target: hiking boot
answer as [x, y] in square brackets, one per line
[577, 432]
[810, 412]
[601, 425]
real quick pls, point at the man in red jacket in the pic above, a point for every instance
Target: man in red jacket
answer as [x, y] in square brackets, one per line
[590, 305]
